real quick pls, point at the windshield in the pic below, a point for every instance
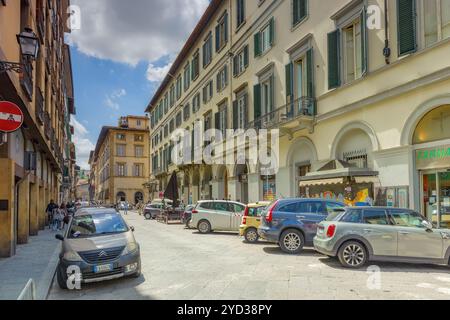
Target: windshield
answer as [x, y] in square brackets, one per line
[96, 225]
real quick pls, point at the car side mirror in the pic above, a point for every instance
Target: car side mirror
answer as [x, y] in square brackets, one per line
[427, 225]
[59, 237]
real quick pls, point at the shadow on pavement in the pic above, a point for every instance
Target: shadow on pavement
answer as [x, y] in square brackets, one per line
[307, 252]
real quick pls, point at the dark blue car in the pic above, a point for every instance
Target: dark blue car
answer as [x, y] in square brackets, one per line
[292, 223]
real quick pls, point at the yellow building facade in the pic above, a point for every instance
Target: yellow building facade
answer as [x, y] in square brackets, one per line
[36, 160]
[120, 162]
[358, 89]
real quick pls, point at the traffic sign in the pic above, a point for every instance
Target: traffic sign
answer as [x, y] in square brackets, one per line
[11, 117]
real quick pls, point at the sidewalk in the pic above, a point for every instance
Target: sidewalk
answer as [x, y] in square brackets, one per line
[36, 260]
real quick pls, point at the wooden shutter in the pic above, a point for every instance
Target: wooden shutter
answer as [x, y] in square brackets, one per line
[272, 31]
[310, 73]
[257, 101]
[257, 40]
[225, 22]
[289, 82]
[364, 42]
[217, 38]
[406, 26]
[246, 56]
[235, 115]
[334, 77]
[299, 11]
[235, 65]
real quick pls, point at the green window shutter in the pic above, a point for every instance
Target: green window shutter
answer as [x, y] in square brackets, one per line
[406, 26]
[235, 65]
[218, 82]
[272, 31]
[217, 38]
[257, 39]
[246, 56]
[289, 81]
[235, 115]
[226, 26]
[334, 77]
[257, 101]
[310, 73]
[364, 42]
[299, 11]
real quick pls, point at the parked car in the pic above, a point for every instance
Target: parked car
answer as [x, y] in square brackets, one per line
[208, 216]
[187, 214]
[252, 220]
[101, 245]
[156, 207]
[367, 234]
[292, 223]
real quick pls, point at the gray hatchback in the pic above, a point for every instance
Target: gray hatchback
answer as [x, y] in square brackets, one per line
[367, 234]
[98, 245]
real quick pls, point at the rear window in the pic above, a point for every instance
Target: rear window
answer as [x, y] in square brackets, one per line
[206, 205]
[351, 216]
[256, 212]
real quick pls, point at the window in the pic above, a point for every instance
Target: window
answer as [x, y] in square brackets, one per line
[120, 149]
[333, 208]
[178, 119]
[236, 208]
[166, 130]
[171, 125]
[121, 136]
[196, 103]
[208, 92]
[406, 218]
[267, 96]
[374, 216]
[222, 32]
[221, 206]
[139, 151]
[207, 50]
[240, 61]
[311, 207]
[172, 96]
[195, 65]
[353, 216]
[299, 11]
[240, 111]
[138, 170]
[358, 158]
[187, 77]
[222, 119]
[186, 112]
[265, 38]
[347, 52]
[436, 16]
[121, 170]
[222, 78]
[179, 88]
[240, 4]
[166, 103]
[138, 138]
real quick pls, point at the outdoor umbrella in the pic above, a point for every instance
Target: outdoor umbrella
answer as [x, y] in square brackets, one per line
[171, 192]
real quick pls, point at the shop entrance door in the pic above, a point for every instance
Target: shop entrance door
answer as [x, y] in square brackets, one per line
[436, 197]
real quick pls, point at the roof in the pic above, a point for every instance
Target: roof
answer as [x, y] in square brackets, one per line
[195, 35]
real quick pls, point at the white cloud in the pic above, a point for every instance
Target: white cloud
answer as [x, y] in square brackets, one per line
[111, 100]
[157, 74]
[83, 145]
[134, 31]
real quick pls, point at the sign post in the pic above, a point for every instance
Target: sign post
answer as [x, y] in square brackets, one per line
[11, 119]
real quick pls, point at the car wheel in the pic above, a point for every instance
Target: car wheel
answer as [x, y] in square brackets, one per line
[204, 227]
[292, 241]
[148, 216]
[251, 235]
[353, 255]
[62, 280]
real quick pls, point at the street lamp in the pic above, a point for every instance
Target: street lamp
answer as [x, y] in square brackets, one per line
[29, 49]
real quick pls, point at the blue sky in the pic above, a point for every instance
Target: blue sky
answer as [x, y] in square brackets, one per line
[120, 54]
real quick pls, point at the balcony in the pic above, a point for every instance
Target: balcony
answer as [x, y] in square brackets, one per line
[40, 114]
[298, 114]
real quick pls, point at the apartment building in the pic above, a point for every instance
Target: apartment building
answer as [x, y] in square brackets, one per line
[359, 90]
[120, 162]
[36, 161]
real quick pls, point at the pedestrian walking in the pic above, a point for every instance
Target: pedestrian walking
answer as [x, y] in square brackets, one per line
[125, 208]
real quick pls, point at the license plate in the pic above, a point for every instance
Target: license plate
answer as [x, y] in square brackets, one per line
[103, 268]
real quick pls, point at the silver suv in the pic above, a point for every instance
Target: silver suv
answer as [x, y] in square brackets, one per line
[98, 245]
[364, 234]
[210, 216]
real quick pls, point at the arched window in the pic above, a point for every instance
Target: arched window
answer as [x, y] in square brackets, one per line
[434, 126]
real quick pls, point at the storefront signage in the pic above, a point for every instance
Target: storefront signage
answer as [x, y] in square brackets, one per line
[433, 158]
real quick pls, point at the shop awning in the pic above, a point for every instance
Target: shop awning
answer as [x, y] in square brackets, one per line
[321, 182]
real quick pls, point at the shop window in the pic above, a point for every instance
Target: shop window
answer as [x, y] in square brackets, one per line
[433, 126]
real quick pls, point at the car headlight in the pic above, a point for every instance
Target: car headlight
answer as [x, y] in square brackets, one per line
[72, 256]
[130, 248]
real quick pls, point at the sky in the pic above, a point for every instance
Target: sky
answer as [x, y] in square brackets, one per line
[120, 54]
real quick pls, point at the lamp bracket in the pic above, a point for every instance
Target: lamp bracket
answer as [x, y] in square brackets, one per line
[11, 66]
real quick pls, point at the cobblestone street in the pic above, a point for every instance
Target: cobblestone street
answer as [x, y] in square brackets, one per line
[182, 264]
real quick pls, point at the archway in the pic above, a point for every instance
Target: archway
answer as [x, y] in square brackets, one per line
[222, 178]
[302, 154]
[355, 145]
[206, 192]
[241, 173]
[121, 196]
[138, 197]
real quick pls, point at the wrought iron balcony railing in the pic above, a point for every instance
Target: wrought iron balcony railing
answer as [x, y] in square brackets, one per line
[40, 114]
[294, 110]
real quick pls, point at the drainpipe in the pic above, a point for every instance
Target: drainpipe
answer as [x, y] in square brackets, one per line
[387, 49]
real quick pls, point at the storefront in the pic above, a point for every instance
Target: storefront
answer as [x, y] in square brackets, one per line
[433, 165]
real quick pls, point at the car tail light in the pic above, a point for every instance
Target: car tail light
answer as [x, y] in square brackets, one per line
[269, 215]
[331, 231]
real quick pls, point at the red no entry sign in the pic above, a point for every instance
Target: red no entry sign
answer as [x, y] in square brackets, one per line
[11, 117]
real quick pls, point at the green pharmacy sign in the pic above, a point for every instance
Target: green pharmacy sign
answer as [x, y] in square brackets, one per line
[433, 158]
